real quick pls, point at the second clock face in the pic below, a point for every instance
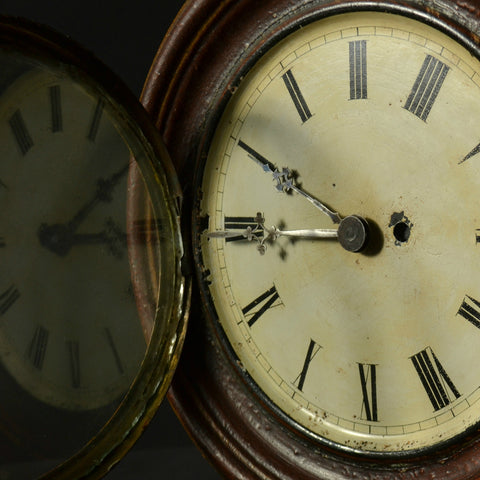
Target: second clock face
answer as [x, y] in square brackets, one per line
[69, 332]
[374, 115]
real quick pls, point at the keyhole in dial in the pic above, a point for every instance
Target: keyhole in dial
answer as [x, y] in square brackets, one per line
[401, 232]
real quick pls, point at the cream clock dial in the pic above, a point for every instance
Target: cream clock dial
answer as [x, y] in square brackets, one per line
[361, 127]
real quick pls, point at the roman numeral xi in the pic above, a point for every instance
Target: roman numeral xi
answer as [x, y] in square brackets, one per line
[296, 96]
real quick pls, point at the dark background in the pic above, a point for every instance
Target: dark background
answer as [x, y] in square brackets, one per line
[125, 35]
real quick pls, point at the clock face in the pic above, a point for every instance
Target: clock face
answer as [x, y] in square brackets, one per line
[69, 330]
[367, 114]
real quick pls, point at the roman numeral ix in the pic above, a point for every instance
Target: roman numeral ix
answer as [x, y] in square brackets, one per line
[241, 224]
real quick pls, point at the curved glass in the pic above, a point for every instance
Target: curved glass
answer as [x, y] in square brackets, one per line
[89, 239]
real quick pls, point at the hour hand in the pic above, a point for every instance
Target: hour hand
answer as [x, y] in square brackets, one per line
[286, 182]
[352, 233]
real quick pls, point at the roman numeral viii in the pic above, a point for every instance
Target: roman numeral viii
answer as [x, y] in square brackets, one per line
[368, 381]
[437, 384]
[426, 87]
[254, 310]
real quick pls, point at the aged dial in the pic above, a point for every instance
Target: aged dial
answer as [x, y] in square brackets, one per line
[372, 117]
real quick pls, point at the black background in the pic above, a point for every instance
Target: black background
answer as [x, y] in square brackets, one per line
[125, 35]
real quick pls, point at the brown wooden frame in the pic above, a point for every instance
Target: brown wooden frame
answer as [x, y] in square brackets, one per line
[198, 66]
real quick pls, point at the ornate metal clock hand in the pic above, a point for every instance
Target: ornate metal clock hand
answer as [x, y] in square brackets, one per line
[60, 237]
[352, 233]
[286, 182]
[102, 194]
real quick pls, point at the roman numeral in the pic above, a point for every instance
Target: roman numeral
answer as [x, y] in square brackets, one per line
[435, 380]
[312, 350]
[56, 108]
[426, 87]
[8, 298]
[73, 349]
[264, 301]
[296, 95]
[368, 381]
[241, 224]
[358, 69]
[257, 157]
[471, 154]
[95, 123]
[38, 347]
[113, 348]
[20, 132]
[470, 310]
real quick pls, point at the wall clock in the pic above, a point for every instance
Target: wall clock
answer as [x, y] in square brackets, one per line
[90, 239]
[299, 129]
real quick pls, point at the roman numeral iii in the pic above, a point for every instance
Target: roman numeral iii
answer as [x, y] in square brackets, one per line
[437, 384]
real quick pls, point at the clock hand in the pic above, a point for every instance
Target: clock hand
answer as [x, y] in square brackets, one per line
[286, 182]
[352, 233]
[102, 194]
[59, 239]
[274, 232]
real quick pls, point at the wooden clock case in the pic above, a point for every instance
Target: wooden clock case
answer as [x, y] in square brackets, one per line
[199, 65]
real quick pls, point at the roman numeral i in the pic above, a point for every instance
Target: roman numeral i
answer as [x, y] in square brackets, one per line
[426, 87]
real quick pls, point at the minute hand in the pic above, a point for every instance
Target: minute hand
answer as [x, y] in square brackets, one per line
[285, 181]
[335, 217]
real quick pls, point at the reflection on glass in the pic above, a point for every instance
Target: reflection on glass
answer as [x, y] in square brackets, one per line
[71, 342]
